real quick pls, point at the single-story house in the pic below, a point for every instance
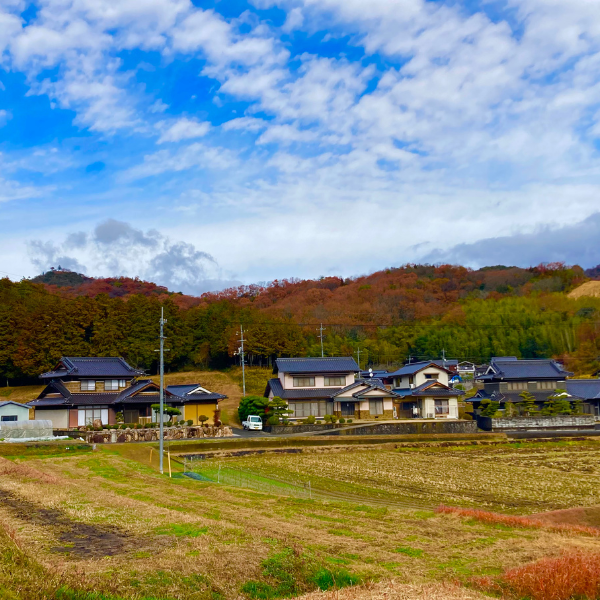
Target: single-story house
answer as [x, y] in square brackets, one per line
[13, 411]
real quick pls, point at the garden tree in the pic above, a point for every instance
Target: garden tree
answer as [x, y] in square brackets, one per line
[278, 409]
[202, 419]
[252, 405]
[167, 410]
[527, 406]
[557, 404]
[489, 408]
[217, 417]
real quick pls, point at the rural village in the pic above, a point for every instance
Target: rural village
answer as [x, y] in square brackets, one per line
[354, 475]
[299, 300]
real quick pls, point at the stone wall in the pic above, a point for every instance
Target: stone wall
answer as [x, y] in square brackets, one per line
[402, 427]
[111, 436]
[575, 422]
[414, 427]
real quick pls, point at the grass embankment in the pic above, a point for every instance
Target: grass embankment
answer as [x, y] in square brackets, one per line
[103, 524]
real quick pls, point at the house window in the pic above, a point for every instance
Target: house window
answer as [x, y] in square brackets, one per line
[304, 382]
[442, 407]
[338, 381]
[431, 376]
[122, 383]
[9, 418]
[88, 414]
[376, 407]
[546, 385]
[517, 385]
[88, 385]
[110, 385]
[306, 409]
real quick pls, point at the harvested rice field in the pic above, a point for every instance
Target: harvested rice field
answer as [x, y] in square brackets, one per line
[98, 525]
[520, 477]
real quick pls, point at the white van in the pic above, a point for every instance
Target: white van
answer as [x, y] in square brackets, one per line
[253, 422]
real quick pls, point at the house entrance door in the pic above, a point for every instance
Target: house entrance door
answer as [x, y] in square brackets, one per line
[131, 416]
[347, 409]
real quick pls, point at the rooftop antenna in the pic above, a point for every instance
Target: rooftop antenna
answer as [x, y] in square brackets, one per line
[321, 330]
[240, 351]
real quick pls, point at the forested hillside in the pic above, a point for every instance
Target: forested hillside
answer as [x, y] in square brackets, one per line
[416, 311]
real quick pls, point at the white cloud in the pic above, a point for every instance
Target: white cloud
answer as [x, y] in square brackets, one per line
[182, 129]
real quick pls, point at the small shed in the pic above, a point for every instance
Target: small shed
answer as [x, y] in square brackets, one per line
[13, 411]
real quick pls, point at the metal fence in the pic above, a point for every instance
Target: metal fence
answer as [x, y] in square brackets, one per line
[207, 470]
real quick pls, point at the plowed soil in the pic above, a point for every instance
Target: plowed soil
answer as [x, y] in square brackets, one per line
[79, 539]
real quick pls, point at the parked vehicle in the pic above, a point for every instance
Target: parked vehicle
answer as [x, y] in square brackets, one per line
[253, 422]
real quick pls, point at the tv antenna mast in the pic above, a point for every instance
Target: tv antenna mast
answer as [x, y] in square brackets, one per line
[240, 352]
[321, 330]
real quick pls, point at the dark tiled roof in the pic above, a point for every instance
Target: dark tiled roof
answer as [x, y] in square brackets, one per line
[185, 392]
[90, 399]
[532, 369]
[540, 396]
[429, 388]
[587, 389]
[275, 386]
[96, 366]
[413, 368]
[337, 364]
[136, 387]
[48, 402]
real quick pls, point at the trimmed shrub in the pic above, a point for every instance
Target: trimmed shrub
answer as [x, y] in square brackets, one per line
[327, 419]
[189, 422]
[310, 420]
[348, 421]
[342, 420]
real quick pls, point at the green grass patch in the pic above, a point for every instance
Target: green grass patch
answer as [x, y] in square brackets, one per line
[412, 552]
[181, 530]
[289, 573]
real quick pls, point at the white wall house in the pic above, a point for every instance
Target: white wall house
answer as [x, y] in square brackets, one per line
[424, 392]
[13, 411]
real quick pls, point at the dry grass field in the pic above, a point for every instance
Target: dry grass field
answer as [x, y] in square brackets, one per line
[78, 524]
[519, 477]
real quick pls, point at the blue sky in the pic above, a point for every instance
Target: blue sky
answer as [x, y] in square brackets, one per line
[204, 144]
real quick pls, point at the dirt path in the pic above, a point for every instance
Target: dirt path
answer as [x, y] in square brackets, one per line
[79, 539]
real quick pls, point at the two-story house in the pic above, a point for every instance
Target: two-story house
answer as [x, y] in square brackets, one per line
[329, 386]
[507, 377]
[423, 391]
[82, 390]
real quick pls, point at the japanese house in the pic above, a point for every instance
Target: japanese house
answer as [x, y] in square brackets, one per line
[326, 386]
[507, 377]
[423, 390]
[82, 390]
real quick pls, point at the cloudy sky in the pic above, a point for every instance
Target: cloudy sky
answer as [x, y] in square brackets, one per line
[203, 143]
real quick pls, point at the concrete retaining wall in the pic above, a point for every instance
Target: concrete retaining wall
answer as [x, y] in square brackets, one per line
[563, 422]
[413, 427]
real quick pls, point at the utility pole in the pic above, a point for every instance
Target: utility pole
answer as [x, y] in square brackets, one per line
[358, 354]
[321, 330]
[241, 352]
[162, 390]
[444, 357]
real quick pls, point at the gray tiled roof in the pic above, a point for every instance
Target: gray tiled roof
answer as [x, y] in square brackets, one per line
[92, 366]
[184, 391]
[532, 369]
[413, 368]
[439, 389]
[333, 364]
[275, 386]
[540, 396]
[587, 389]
